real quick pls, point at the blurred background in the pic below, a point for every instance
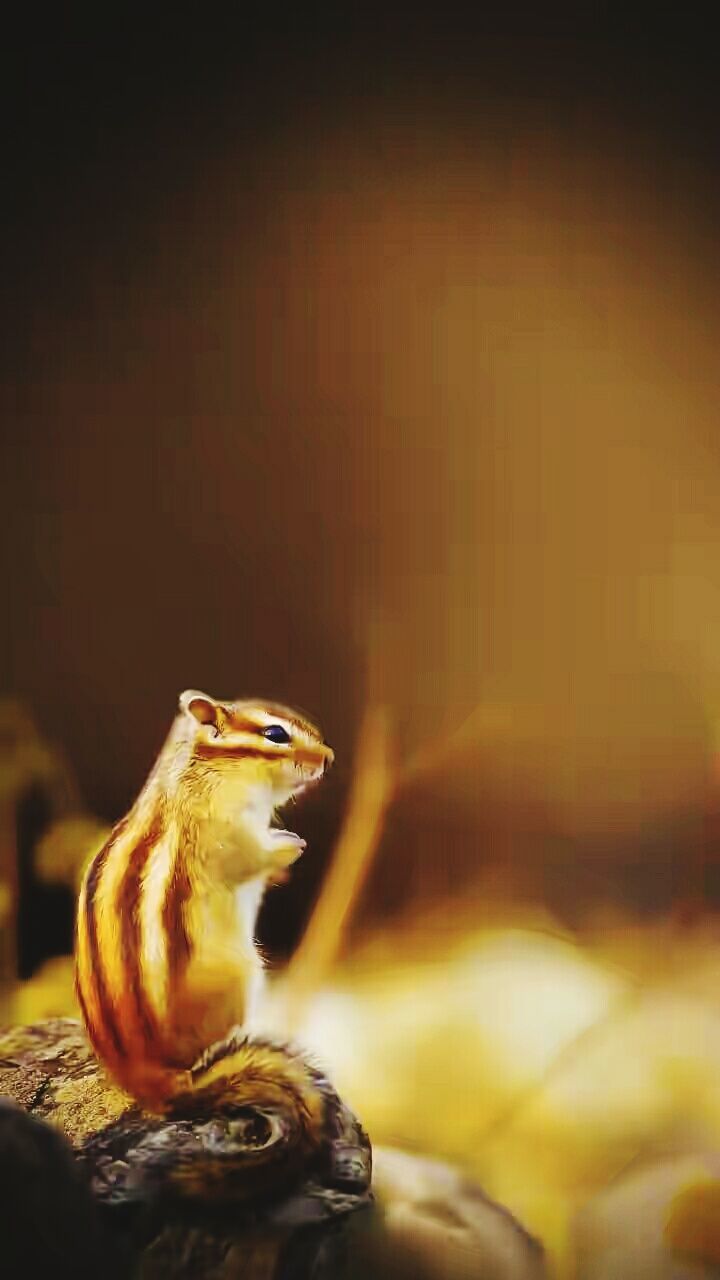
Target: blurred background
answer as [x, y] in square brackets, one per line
[371, 362]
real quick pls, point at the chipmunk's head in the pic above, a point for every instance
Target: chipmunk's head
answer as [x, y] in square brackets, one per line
[271, 744]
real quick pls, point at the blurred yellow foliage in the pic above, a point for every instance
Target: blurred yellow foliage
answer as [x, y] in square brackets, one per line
[541, 1064]
[67, 847]
[48, 994]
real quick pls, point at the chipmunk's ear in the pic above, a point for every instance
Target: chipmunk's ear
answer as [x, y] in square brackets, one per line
[200, 705]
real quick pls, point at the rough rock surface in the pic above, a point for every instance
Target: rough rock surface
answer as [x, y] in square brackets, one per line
[426, 1222]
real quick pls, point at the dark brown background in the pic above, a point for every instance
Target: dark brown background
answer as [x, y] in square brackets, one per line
[380, 342]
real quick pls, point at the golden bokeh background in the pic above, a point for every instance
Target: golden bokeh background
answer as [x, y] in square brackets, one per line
[412, 402]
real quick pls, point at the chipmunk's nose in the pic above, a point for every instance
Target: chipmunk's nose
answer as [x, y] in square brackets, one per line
[324, 757]
[318, 755]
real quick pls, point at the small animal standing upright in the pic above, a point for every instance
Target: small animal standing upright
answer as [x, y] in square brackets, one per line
[167, 968]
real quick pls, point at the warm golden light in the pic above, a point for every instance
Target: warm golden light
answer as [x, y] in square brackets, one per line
[415, 424]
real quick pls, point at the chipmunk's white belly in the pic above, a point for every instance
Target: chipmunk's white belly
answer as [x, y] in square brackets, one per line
[248, 899]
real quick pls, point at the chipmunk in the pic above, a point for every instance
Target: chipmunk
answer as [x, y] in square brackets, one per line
[166, 959]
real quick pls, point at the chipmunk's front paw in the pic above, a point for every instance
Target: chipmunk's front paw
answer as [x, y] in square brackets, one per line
[284, 848]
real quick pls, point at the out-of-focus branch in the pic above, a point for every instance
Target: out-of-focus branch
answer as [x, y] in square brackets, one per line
[492, 724]
[378, 779]
[370, 797]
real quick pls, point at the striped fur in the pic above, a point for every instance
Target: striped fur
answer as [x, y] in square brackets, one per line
[165, 953]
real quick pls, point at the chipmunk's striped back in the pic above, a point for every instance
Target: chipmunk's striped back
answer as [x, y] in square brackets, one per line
[133, 947]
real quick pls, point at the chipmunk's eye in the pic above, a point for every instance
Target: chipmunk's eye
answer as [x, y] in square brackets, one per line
[275, 733]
